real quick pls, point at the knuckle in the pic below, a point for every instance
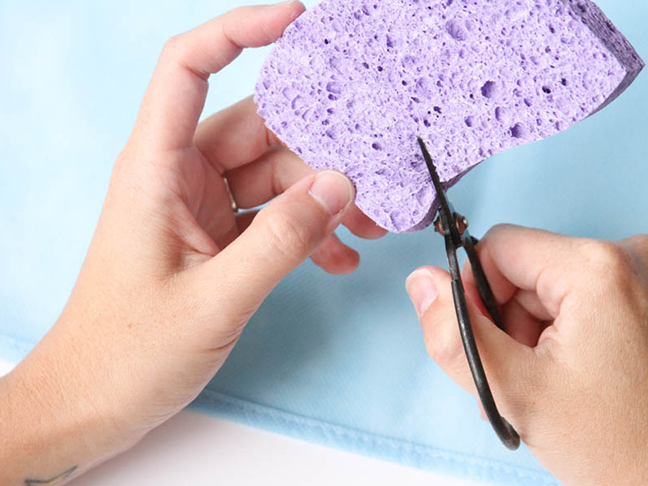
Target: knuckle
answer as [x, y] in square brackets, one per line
[637, 243]
[497, 230]
[640, 240]
[443, 344]
[500, 234]
[502, 227]
[603, 255]
[607, 260]
[121, 165]
[637, 247]
[286, 236]
[173, 45]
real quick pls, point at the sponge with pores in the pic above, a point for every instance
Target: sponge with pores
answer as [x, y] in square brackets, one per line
[352, 83]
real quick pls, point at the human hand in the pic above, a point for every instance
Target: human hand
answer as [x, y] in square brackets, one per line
[571, 371]
[173, 274]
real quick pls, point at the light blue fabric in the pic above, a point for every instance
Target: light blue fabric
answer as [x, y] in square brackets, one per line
[334, 360]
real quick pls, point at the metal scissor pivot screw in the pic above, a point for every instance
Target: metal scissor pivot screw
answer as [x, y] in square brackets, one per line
[461, 224]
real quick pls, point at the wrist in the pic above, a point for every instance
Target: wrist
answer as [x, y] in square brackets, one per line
[51, 425]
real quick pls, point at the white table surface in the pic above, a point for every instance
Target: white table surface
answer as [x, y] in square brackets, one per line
[199, 449]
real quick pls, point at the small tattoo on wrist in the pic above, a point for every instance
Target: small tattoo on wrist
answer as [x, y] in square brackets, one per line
[55, 480]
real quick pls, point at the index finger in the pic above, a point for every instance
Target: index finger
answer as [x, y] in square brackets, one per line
[534, 260]
[176, 95]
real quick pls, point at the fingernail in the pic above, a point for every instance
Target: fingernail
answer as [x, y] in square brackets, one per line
[422, 290]
[291, 5]
[288, 4]
[332, 190]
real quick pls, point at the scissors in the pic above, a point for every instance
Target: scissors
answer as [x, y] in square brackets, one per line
[454, 229]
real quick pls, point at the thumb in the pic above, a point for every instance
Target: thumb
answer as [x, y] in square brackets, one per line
[281, 237]
[508, 364]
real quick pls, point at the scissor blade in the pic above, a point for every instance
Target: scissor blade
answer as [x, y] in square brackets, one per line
[436, 180]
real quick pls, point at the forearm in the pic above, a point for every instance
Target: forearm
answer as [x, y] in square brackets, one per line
[50, 429]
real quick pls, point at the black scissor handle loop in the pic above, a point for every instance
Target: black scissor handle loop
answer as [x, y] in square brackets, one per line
[483, 286]
[506, 433]
[454, 229]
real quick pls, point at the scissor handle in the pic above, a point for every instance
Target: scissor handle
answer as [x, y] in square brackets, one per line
[483, 286]
[504, 430]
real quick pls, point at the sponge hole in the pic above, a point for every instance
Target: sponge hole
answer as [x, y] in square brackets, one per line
[456, 31]
[518, 131]
[489, 89]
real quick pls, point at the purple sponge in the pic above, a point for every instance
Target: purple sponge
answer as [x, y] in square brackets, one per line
[352, 83]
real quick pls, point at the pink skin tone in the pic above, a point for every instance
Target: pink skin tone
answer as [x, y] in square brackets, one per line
[571, 371]
[173, 275]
